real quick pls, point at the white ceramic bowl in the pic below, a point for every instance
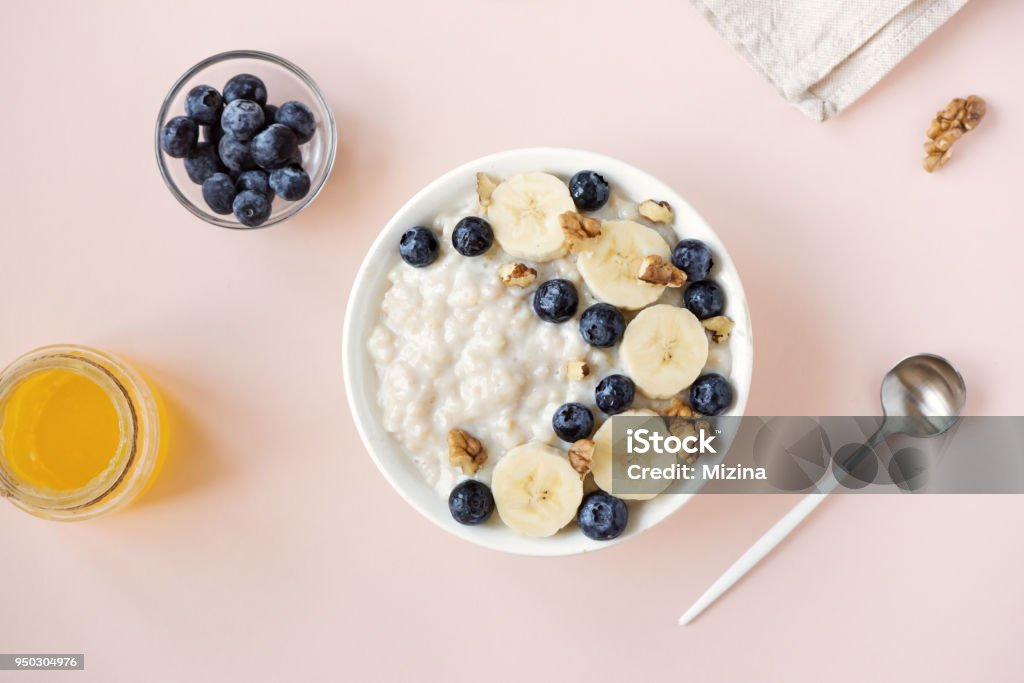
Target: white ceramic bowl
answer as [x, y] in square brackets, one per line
[363, 313]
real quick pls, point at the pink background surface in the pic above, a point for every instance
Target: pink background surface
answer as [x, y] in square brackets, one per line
[273, 550]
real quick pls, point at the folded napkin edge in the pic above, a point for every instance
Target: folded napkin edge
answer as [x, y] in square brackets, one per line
[855, 73]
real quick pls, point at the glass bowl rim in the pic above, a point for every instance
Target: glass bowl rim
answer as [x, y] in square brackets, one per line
[218, 58]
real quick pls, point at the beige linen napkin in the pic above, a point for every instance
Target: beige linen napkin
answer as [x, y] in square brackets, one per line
[822, 55]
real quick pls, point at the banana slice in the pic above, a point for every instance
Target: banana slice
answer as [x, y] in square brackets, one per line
[605, 471]
[663, 350]
[536, 490]
[524, 211]
[610, 264]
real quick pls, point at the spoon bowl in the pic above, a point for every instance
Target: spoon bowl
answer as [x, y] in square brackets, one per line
[925, 394]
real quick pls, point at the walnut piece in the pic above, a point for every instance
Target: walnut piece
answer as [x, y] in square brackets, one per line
[484, 188]
[943, 142]
[933, 162]
[720, 326]
[656, 212]
[577, 370]
[517, 274]
[578, 228]
[683, 428]
[960, 116]
[677, 408]
[653, 269]
[953, 111]
[580, 455]
[465, 452]
[975, 109]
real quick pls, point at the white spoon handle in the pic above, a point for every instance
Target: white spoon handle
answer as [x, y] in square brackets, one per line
[762, 547]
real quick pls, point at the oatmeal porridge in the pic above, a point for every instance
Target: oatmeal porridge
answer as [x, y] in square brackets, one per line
[520, 319]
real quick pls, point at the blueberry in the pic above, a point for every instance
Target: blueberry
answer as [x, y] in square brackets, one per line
[255, 180]
[471, 502]
[693, 258]
[251, 208]
[202, 163]
[274, 146]
[299, 118]
[289, 182]
[710, 394]
[245, 87]
[614, 394]
[242, 119]
[572, 422]
[602, 516]
[556, 301]
[418, 247]
[602, 325]
[204, 104]
[219, 193]
[589, 190]
[705, 299]
[472, 236]
[178, 137]
[269, 113]
[235, 154]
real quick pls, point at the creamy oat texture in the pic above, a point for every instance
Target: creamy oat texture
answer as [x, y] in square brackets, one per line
[457, 348]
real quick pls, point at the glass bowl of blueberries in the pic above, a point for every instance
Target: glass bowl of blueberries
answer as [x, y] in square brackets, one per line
[245, 140]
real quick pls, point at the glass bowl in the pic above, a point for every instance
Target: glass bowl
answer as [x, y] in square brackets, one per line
[284, 82]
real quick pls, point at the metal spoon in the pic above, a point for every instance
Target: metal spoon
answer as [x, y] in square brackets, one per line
[926, 396]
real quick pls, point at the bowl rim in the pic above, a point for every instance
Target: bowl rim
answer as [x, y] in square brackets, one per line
[369, 275]
[213, 219]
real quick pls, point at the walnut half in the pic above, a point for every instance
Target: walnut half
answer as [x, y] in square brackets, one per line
[657, 272]
[960, 116]
[580, 455]
[465, 452]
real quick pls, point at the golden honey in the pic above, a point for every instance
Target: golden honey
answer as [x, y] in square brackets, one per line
[80, 433]
[60, 430]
